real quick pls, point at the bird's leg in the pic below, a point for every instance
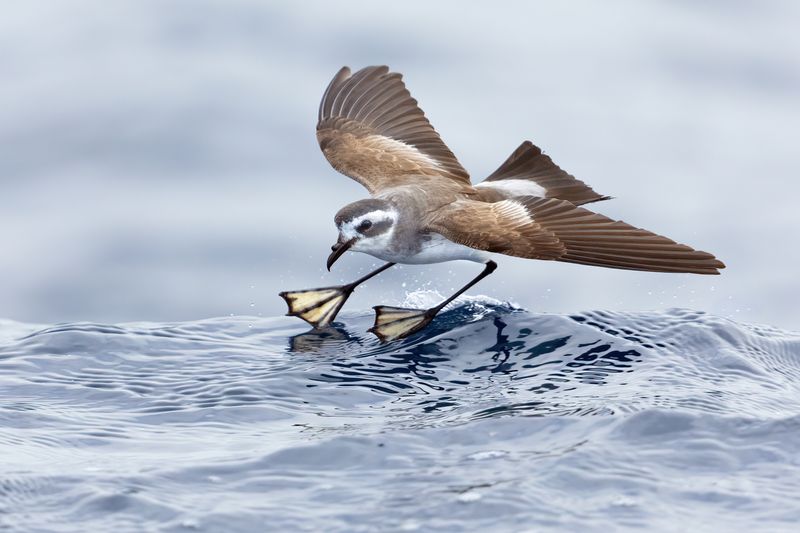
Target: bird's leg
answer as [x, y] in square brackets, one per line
[393, 323]
[320, 306]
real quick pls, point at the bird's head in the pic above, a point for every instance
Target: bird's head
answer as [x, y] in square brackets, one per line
[364, 226]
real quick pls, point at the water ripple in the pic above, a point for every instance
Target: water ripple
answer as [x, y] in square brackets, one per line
[561, 421]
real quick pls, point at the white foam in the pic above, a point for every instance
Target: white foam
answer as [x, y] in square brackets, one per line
[426, 298]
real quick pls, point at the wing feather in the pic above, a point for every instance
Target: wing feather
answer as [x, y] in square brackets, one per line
[371, 129]
[548, 228]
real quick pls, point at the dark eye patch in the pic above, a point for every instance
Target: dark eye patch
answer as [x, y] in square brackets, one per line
[364, 226]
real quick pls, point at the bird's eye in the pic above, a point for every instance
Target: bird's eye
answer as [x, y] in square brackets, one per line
[364, 226]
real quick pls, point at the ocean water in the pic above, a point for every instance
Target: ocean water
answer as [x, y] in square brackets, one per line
[493, 419]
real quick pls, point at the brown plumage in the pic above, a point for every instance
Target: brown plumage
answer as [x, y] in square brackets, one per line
[539, 228]
[528, 162]
[371, 129]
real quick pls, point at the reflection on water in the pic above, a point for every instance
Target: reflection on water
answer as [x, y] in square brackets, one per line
[523, 359]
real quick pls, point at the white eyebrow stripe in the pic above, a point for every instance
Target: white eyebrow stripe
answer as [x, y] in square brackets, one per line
[379, 214]
[348, 229]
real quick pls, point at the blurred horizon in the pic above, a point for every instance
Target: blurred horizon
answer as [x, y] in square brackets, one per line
[161, 163]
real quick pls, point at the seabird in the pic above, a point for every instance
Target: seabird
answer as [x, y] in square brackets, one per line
[424, 209]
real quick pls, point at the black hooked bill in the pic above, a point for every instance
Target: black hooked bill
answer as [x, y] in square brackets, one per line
[338, 249]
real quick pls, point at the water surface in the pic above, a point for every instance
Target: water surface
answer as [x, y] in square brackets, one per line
[493, 419]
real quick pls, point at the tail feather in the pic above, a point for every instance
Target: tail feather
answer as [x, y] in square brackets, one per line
[528, 171]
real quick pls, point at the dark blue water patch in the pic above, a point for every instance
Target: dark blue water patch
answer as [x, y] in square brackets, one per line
[519, 354]
[493, 418]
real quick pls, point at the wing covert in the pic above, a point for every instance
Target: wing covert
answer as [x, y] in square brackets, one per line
[548, 228]
[371, 129]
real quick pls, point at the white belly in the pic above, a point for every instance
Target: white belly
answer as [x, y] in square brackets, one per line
[436, 249]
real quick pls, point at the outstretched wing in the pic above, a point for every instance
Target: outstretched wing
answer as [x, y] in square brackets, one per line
[528, 171]
[371, 129]
[540, 228]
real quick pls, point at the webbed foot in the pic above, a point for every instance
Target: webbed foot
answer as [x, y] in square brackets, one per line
[392, 323]
[318, 307]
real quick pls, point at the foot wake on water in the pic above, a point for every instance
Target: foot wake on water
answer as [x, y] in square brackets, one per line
[491, 417]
